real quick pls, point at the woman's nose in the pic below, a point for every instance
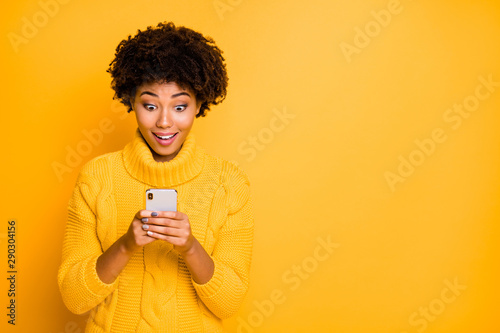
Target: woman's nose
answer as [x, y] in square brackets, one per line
[164, 120]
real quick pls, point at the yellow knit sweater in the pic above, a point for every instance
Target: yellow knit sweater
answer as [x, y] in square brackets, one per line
[155, 291]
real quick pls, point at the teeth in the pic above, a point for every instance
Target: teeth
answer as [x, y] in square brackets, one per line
[165, 137]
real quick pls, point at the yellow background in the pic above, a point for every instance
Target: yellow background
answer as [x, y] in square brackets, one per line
[321, 173]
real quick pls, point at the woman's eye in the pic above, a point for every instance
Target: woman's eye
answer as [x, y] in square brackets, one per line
[180, 107]
[149, 107]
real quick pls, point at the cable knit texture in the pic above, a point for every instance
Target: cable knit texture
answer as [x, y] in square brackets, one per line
[155, 291]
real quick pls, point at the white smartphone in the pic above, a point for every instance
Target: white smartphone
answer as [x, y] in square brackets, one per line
[161, 199]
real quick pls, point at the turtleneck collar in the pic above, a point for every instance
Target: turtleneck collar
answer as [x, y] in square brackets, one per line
[141, 165]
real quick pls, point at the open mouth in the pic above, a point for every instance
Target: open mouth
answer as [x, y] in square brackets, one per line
[166, 137]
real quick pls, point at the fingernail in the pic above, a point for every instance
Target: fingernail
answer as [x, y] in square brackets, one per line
[150, 233]
[144, 219]
[154, 214]
[145, 226]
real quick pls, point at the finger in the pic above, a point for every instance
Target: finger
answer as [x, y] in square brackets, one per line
[175, 232]
[165, 222]
[169, 214]
[140, 236]
[139, 231]
[143, 213]
[171, 239]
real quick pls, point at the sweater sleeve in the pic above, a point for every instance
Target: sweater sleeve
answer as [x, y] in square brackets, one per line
[224, 293]
[79, 284]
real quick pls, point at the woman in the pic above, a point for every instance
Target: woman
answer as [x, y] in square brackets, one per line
[152, 271]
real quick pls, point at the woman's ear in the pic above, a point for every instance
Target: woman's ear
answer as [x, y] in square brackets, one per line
[198, 106]
[131, 99]
[131, 104]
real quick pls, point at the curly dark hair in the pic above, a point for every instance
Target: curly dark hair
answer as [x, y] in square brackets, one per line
[167, 53]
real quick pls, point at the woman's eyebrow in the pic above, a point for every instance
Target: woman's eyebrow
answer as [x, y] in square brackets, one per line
[149, 93]
[173, 96]
[180, 94]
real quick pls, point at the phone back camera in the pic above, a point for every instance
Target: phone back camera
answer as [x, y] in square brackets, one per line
[150, 196]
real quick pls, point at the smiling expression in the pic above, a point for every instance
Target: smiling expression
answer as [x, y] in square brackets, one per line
[165, 113]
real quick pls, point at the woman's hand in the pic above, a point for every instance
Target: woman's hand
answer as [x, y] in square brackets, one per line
[115, 258]
[136, 237]
[173, 227]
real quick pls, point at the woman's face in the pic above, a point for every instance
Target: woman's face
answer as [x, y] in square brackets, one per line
[163, 110]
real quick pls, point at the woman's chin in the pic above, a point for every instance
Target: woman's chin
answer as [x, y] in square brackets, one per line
[161, 154]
